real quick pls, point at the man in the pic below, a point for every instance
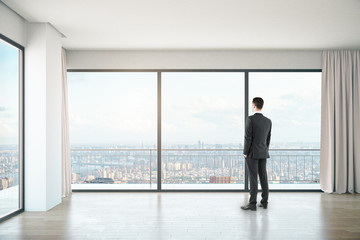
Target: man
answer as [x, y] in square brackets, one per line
[256, 151]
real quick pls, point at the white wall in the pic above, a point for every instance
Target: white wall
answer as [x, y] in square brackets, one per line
[212, 59]
[35, 133]
[12, 25]
[42, 118]
[53, 114]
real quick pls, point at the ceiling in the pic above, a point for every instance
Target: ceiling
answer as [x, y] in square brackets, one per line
[199, 24]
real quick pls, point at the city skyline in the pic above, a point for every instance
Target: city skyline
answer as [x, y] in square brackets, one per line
[189, 167]
[182, 164]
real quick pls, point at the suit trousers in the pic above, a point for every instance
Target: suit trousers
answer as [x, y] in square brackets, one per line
[257, 167]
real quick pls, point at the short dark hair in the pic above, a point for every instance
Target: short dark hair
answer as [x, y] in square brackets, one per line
[259, 102]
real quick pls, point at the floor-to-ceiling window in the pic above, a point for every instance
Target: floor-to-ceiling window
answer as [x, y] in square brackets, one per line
[11, 171]
[195, 120]
[293, 103]
[202, 130]
[113, 120]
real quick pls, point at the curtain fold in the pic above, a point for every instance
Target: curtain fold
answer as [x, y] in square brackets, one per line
[65, 140]
[340, 122]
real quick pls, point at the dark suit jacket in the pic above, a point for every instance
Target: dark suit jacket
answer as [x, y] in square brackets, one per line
[257, 136]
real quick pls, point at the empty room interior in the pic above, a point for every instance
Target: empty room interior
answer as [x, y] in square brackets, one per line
[202, 119]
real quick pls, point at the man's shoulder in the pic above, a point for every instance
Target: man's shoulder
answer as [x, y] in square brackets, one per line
[268, 119]
[259, 116]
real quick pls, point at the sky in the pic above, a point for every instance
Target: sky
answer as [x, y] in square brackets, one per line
[292, 102]
[121, 108]
[206, 107]
[9, 96]
[112, 108]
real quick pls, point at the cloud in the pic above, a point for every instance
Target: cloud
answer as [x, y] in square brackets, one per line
[304, 123]
[2, 109]
[206, 103]
[77, 119]
[6, 131]
[169, 128]
[113, 123]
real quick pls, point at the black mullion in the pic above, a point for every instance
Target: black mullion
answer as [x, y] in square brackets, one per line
[159, 180]
[246, 116]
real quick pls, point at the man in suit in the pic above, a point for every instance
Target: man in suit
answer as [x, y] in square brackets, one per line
[256, 151]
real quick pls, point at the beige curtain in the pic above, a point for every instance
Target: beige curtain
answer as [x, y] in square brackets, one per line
[66, 160]
[340, 122]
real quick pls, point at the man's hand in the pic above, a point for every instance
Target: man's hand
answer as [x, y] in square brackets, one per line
[245, 155]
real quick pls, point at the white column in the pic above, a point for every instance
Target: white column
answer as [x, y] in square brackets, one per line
[42, 117]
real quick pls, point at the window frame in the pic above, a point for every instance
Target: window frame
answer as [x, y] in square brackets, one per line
[21, 128]
[159, 124]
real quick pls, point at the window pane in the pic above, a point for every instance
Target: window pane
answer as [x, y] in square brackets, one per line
[9, 129]
[202, 130]
[293, 103]
[113, 132]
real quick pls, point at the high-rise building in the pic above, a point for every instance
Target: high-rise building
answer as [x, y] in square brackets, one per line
[221, 179]
[74, 177]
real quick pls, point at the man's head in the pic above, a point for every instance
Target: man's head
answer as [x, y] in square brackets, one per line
[257, 104]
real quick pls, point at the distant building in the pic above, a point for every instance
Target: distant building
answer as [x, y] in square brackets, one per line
[102, 180]
[6, 182]
[10, 181]
[74, 177]
[227, 179]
